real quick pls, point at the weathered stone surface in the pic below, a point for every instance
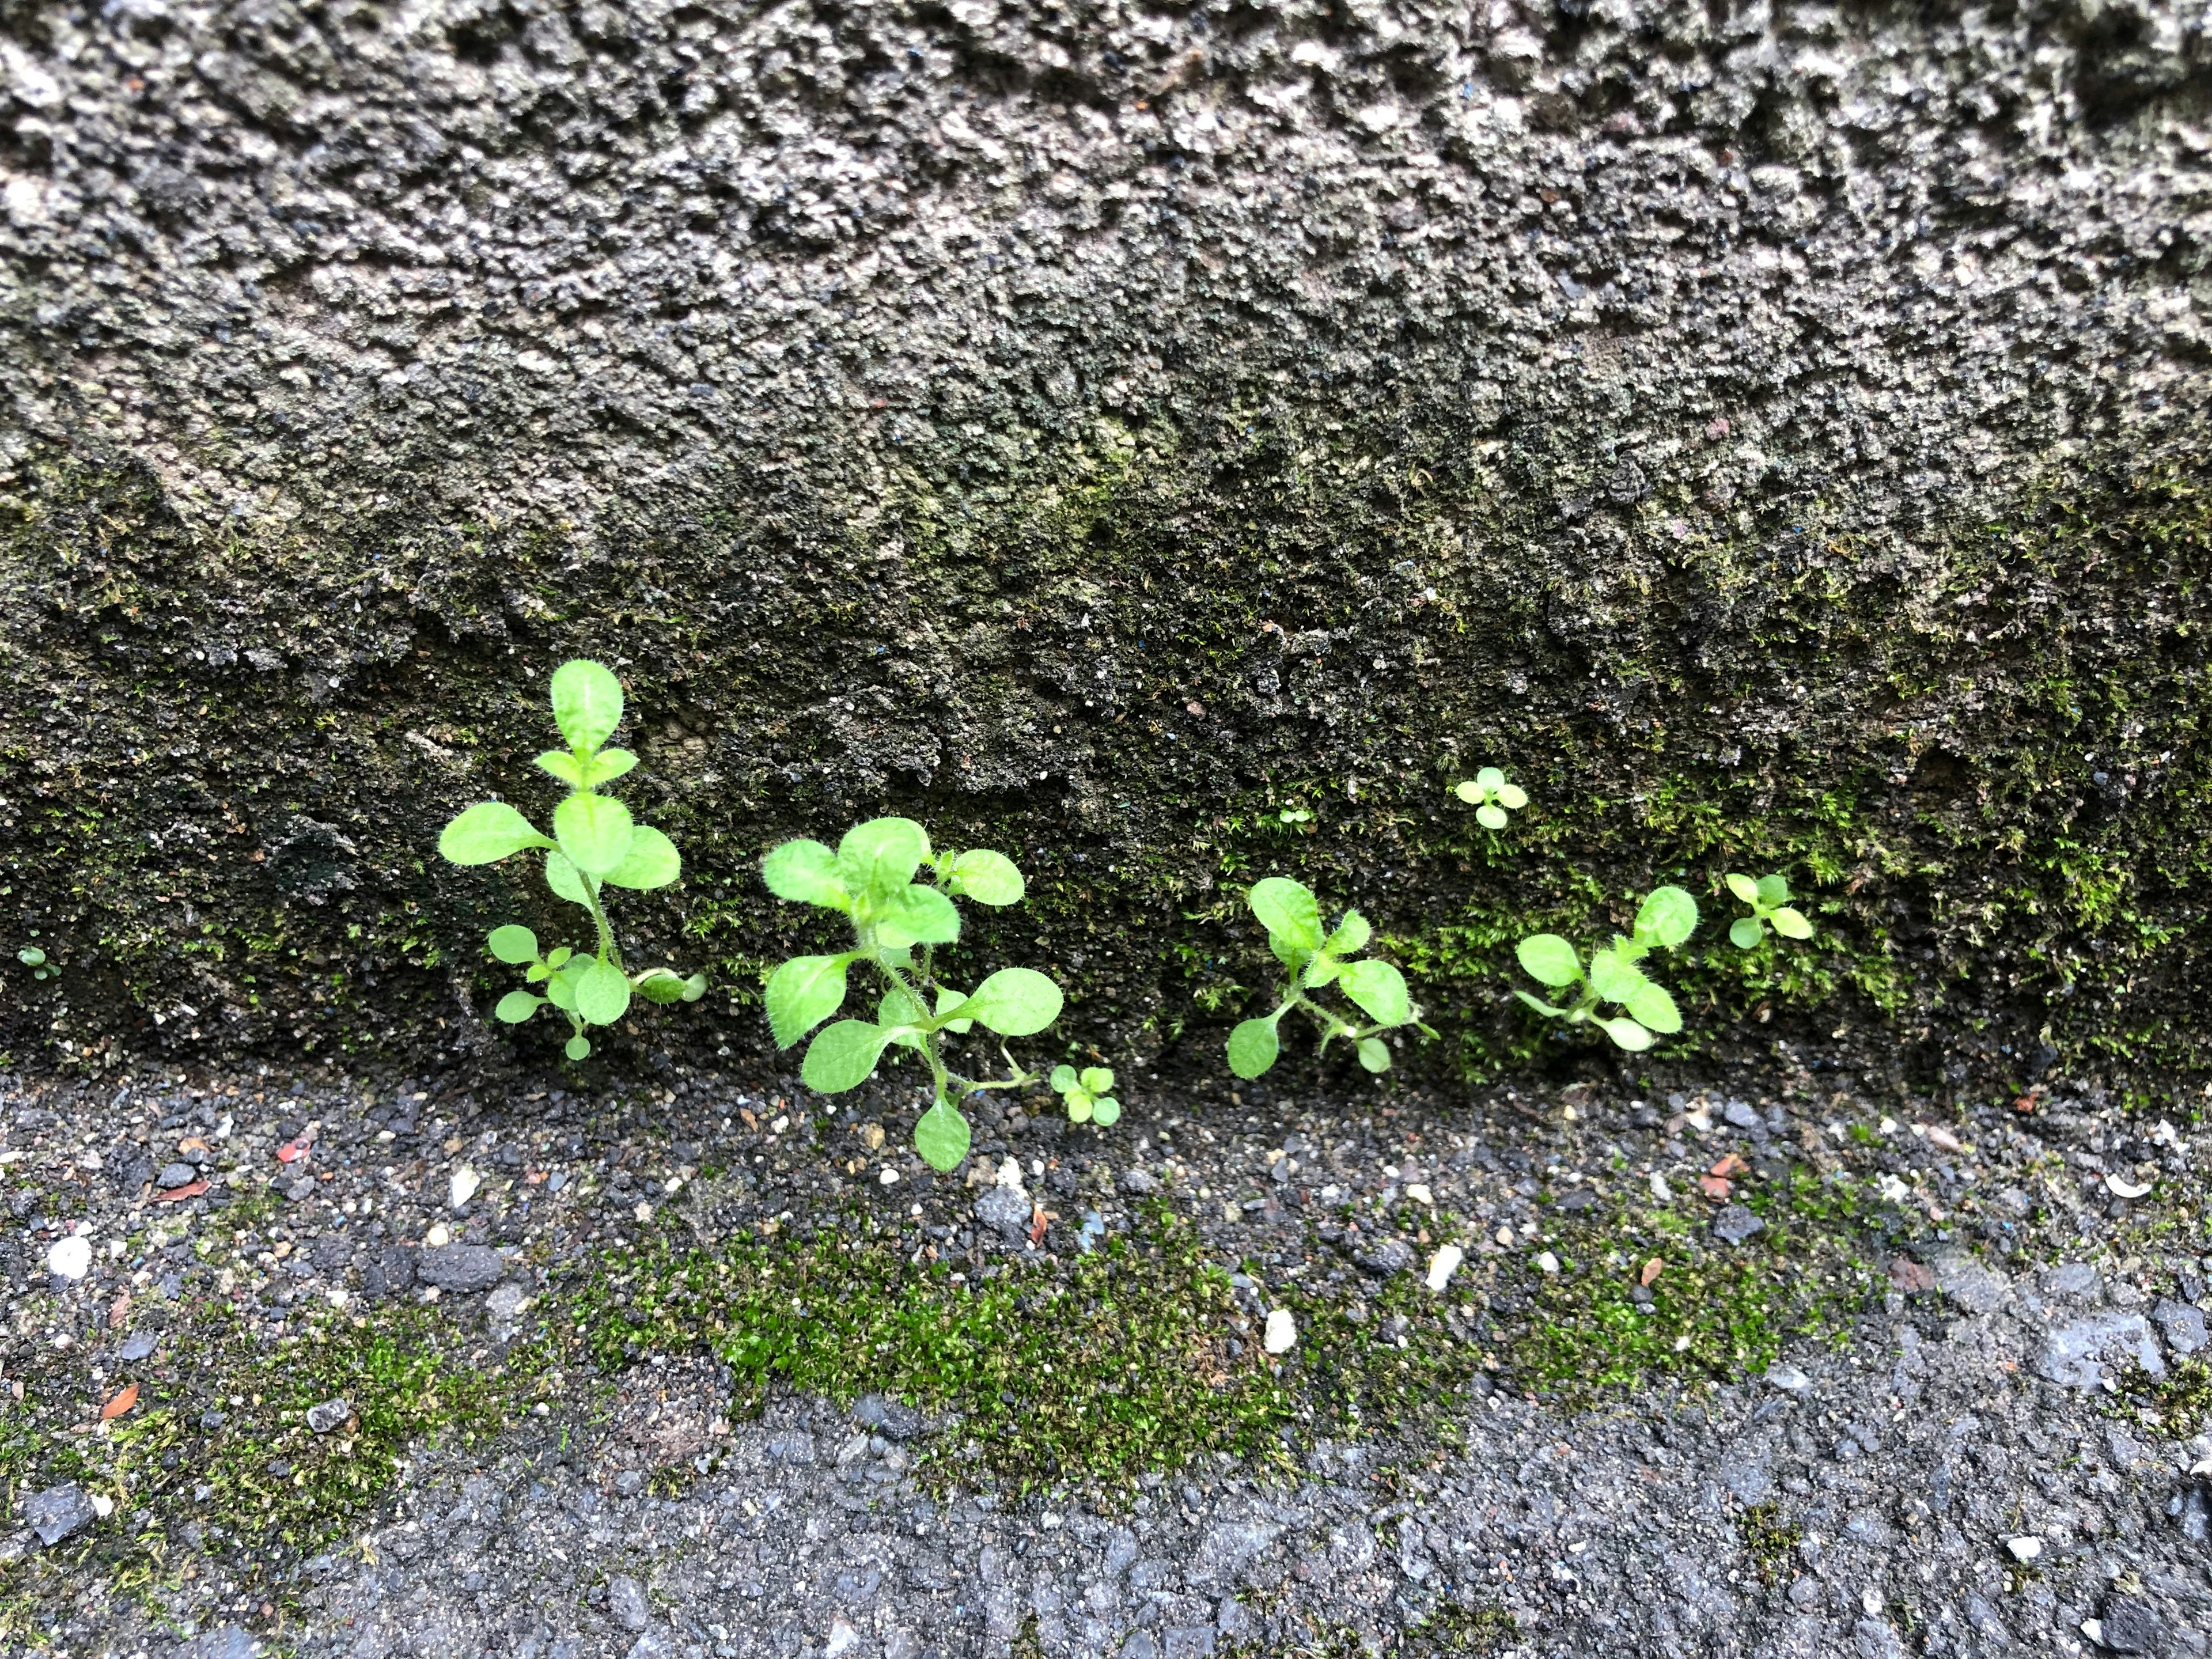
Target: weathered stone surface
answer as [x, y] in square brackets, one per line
[1098, 429]
[461, 1267]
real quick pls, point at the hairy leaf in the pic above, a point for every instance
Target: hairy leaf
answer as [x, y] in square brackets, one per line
[587, 703]
[652, 862]
[802, 993]
[1791, 924]
[1374, 1054]
[941, 1136]
[601, 994]
[1614, 980]
[594, 831]
[563, 878]
[881, 855]
[1380, 989]
[562, 765]
[1549, 958]
[516, 1006]
[1669, 915]
[1744, 888]
[1253, 1047]
[843, 1056]
[987, 877]
[919, 916]
[1650, 1005]
[1014, 1002]
[805, 873]
[487, 833]
[607, 765]
[1287, 909]
[513, 945]
[1351, 935]
[1773, 890]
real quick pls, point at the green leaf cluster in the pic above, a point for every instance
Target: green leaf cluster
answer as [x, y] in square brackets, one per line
[1085, 1092]
[595, 845]
[35, 959]
[1612, 977]
[1769, 899]
[898, 922]
[1313, 958]
[1492, 797]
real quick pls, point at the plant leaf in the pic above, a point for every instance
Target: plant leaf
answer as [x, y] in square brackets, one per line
[662, 986]
[1669, 915]
[1791, 924]
[1380, 989]
[1541, 1006]
[919, 916]
[562, 765]
[1652, 1006]
[561, 876]
[1744, 888]
[1773, 890]
[1549, 958]
[1105, 1113]
[802, 993]
[576, 1048]
[516, 1006]
[1288, 909]
[1470, 792]
[561, 988]
[1253, 1047]
[1078, 1107]
[941, 1135]
[1489, 816]
[607, 765]
[601, 994]
[805, 873]
[881, 855]
[1626, 1034]
[1320, 970]
[1063, 1078]
[1745, 931]
[1512, 796]
[1098, 1078]
[987, 877]
[843, 1056]
[695, 986]
[594, 831]
[1352, 934]
[1374, 1054]
[587, 703]
[1490, 779]
[1614, 980]
[1014, 1002]
[486, 833]
[652, 862]
[947, 1000]
[895, 1007]
[558, 957]
[513, 945]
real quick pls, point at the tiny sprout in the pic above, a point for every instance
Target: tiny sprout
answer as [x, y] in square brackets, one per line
[595, 846]
[1492, 797]
[1085, 1094]
[1769, 899]
[1312, 958]
[35, 959]
[1668, 917]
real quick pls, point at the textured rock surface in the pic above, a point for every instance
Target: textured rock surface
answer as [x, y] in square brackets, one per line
[1109, 427]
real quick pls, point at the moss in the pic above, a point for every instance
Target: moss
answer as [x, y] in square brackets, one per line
[1768, 1539]
[2176, 1405]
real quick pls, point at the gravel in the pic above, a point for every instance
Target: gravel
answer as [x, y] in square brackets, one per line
[1876, 1495]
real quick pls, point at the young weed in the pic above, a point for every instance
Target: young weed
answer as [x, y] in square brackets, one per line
[1311, 960]
[1769, 899]
[1666, 918]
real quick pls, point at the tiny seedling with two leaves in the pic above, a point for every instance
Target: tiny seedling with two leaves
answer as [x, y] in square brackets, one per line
[595, 845]
[1312, 959]
[1492, 797]
[1667, 918]
[898, 923]
[1769, 899]
[1085, 1094]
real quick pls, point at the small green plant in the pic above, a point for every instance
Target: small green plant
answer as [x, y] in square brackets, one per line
[1769, 899]
[595, 845]
[35, 959]
[1492, 797]
[1668, 917]
[1311, 960]
[1084, 1093]
[871, 879]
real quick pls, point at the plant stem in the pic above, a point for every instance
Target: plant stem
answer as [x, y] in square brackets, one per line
[607, 952]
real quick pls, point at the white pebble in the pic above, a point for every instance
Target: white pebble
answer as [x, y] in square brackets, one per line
[464, 1185]
[1443, 1264]
[2025, 1549]
[1419, 1192]
[1548, 1262]
[1660, 1189]
[888, 1177]
[438, 1236]
[70, 1257]
[1282, 1331]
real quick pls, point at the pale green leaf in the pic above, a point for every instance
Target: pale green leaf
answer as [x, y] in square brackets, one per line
[694, 987]
[987, 877]
[561, 877]
[1380, 989]
[1669, 915]
[1512, 796]
[516, 1006]
[594, 831]
[1744, 888]
[802, 993]
[1549, 958]
[1489, 816]
[1374, 1054]
[1350, 936]
[562, 765]
[587, 703]
[1014, 1002]
[1063, 1078]
[513, 945]
[805, 873]
[941, 1135]
[1078, 1107]
[1791, 924]
[662, 985]
[1288, 910]
[843, 1056]
[1541, 1006]
[1106, 1113]
[1745, 931]
[487, 833]
[1490, 779]
[1320, 970]
[576, 1048]
[1098, 1078]
[607, 765]
[1626, 1034]
[881, 855]
[1614, 980]
[601, 994]
[561, 989]
[1773, 890]
[918, 916]
[895, 1007]
[1253, 1047]
[1650, 1005]
[652, 862]
[1470, 792]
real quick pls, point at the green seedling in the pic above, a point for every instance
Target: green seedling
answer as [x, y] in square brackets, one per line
[1667, 918]
[35, 959]
[1492, 797]
[1084, 1093]
[1312, 959]
[1769, 899]
[871, 879]
[595, 845]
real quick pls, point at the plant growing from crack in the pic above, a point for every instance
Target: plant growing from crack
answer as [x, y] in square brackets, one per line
[1666, 918]
[595, 845]
[1492, 797]
[1313, 959]
[1769, 899]
[898, 923]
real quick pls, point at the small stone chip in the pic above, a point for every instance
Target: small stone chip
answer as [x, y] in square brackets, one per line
[330, 1414]
[57, 1512]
